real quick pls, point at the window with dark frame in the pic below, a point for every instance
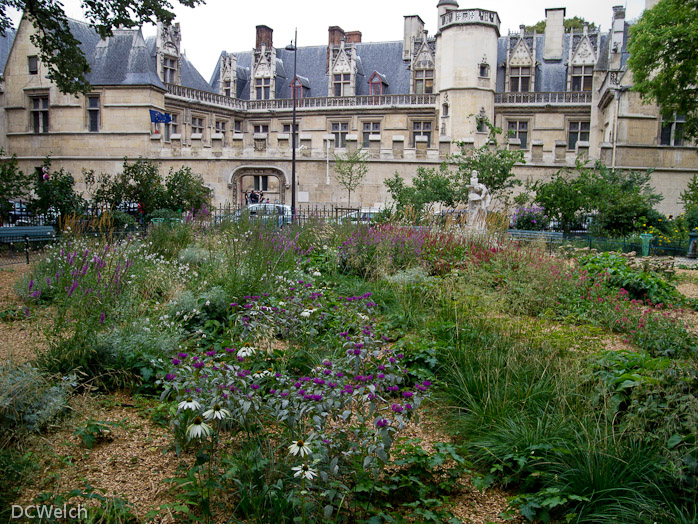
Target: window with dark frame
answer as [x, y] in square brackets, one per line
[423, 81]
[197, 125]
[370, 128]
[227, 88]
[519, 129]
[582, 78]
[169, 69]
[261, 183]
[341, 84]
[261, 128]
[171, 128]
[578, 132]
[375, 85]
[520, 79]
[672, 133]
[39, 113]
[421, 128]
[93, 113]
[484, 71]
[298, 88]
[33, 65]
[340, 130]
[220, 127]
[237, 126]
[263, 88]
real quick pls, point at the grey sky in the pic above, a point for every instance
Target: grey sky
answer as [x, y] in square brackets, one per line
[229, 25]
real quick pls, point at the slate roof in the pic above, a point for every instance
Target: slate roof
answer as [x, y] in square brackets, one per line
[385, 57]
[5, 46]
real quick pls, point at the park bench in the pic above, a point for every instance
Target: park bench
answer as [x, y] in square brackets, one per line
[24, 235]
[530, 236]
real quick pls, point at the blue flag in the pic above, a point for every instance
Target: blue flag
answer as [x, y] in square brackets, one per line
[157, 117]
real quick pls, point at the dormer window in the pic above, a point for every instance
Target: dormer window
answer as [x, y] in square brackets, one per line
[377, 84]
[263, 88]
[227, 88]
[520, 79]
[342, 84]
[299, 87]
[169, 70]
[424, 81]
[582, 78]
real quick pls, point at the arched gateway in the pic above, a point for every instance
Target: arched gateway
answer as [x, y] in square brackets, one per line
[259, 174]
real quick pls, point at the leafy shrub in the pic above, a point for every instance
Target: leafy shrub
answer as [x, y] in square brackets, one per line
[194, 256]
[15, 469]
[121, 220]
[94, 431]
[167, 214]
[29, 399]
[530, 218]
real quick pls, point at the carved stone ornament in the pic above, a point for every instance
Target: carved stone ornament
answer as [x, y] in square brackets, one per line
[584, 55]
[521, 55]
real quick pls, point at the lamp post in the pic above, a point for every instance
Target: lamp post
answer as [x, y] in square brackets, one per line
[293, 47]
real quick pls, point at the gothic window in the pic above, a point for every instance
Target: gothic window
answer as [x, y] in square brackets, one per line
[370, 128]
[169, 69]
[423, 81]
[342, 83]
[582, 78]
[578, 132]
[520, 79]
[421, 128]
[221, 127]
[340, 131]
[672, 131]
[263, 88]
[197, 125]
[33, 65]
[39, 113]
[93, 113]
[172, 127]
[519, 129]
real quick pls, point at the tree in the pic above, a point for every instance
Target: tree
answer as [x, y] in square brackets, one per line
[60, 50]
[351, 169]
[14, 184]
[575, 22]
[55, 193]
[664, 61]
[429, 186]
[186, 190]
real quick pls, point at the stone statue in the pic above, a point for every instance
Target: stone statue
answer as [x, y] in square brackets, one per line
[479, 200]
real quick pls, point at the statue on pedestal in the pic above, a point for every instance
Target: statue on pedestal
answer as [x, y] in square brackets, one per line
[479, 200]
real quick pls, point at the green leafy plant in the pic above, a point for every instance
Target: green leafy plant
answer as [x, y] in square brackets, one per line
[94, 432]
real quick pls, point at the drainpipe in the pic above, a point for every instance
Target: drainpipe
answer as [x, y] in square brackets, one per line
[619, 92]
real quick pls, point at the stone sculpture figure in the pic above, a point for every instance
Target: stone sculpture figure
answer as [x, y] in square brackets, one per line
[479, 200]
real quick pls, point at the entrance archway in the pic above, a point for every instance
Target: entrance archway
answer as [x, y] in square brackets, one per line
[235, 181]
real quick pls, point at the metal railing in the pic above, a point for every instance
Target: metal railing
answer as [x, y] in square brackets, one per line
[553, 98]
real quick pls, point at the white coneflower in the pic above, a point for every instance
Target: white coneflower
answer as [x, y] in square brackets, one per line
[189, 403]
[304, 471]
[305, 314]
[245, 351]
[198, 429]
[317, 274]
[299, 447]
[216, 412]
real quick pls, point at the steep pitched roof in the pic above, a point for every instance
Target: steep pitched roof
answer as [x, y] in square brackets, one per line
[5, 46]
[123, 59]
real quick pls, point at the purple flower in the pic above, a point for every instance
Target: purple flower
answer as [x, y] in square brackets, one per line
[327, 371]
[102, 317]
[397, 408]
[198, 365]
[211, 353]
[408, 407]
[407, 394]
[31, 284]
[254, 386]
[183, 356]
[357, 352]
[318, 381]
[229, 350]
[400, 355]
[272, 391]
[176, 361]
[358, 345]
[234, 304]
[170, 376]
[381, 422]
[426, 383]
[284, 393]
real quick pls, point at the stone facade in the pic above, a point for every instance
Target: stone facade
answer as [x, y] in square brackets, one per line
[408, 103]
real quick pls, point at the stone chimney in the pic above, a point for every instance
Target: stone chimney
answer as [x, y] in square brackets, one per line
[353, 37]
[617, 36]
[265, 37]
[414, 27]
[554, 33]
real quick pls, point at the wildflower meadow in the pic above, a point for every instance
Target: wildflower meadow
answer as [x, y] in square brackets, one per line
[358, 373]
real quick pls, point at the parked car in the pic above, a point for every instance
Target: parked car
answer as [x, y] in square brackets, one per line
[273, 214]
[19, 214]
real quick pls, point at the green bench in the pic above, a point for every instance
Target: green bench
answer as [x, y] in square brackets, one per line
[25, 234]
[548, 236]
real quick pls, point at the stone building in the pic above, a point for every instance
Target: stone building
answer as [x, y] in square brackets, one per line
[408, 103]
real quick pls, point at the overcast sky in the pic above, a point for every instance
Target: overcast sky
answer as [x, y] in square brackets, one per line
[229, 25]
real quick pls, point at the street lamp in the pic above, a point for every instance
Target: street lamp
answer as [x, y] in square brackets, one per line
[293, 47]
